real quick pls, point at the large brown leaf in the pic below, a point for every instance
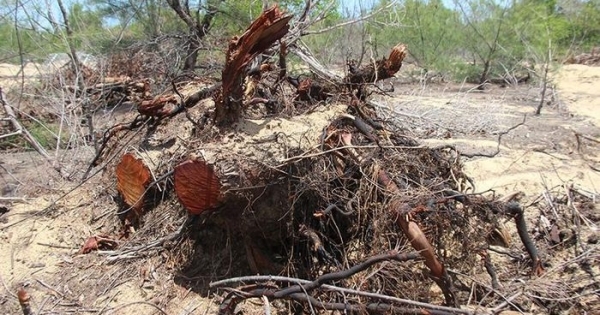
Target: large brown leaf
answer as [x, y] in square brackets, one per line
[132, 179]
[197, 186]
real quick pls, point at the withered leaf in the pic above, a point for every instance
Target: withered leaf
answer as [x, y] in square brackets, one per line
[197, 186]
[132, 179]
[97, 242]
[90, 245]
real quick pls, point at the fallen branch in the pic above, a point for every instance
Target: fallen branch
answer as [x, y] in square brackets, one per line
[514, 209]
[499, 141]
[489, 267]
[417, 238]
[300, 292]
[334, 288]
[158, 106]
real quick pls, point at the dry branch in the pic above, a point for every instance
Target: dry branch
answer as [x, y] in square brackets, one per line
[514, 209]
[333, 288]
[301, 292]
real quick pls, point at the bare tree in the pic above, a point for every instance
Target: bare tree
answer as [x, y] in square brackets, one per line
[77, 69]
[198, 28]
[545, 80]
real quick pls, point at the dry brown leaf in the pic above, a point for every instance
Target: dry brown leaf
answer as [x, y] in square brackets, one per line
[97, 242]
[91, 244]
[132, 179]
[197, 186]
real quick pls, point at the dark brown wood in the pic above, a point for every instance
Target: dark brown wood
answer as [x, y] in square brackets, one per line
[514, 209]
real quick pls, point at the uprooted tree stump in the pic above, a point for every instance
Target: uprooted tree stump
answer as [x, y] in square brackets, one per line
[307, 196]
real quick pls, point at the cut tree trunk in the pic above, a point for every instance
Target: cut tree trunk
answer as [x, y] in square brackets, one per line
[328, 84]
[267, 29]
[381, 70]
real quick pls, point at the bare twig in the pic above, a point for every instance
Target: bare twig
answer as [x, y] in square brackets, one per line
[506, 302]
[22, 199]
[499, 142]
[353, 21]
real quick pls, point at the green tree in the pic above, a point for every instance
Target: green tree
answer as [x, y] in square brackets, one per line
[586, 24]
[430, 31]
[86, 25]
[484, 35]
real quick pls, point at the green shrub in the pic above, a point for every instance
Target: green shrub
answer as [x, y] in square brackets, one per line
[45, 135]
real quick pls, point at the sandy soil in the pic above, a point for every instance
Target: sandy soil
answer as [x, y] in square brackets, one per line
[543, 152]
[11, 76]
[40, 248]
[578, 86]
